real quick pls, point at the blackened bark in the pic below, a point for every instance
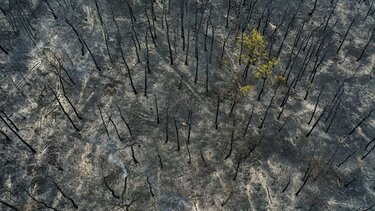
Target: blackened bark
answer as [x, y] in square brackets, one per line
[157, 110]
[346, 33]
[169, 43]
[159, 157]
[103, 122]
[248, 122]
[64, 194]
[125, 122]
[346, 159]
[177, 135]
[265, 114]
[3, 49]
[313, 9]
[316, 104]
[84, 43]
[317, 121]
[217, 114]
[15, 133]
[366, 117]
[367, 44]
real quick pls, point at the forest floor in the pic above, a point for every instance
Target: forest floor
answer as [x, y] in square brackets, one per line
[74, 134]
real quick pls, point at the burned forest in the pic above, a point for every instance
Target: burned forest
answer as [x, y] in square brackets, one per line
[187, 105]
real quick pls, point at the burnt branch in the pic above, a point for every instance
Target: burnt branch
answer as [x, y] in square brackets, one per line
[15, 133]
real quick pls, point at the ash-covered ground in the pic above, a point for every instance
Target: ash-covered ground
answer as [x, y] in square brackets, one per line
[133, 105]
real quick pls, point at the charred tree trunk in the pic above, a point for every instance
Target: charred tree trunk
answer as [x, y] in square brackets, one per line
[169, 42]
[18, 136]
[346, 33]
[364, 119]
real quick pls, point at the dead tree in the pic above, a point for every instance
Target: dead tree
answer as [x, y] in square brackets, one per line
[262, 89]
[130, 9]
[177, 135]
[157, 110]
[64, 194]
[109, 188]
[119, 42]
[189, 122]
[250, 12]
[227, 18]
[18, 136]
[136, 48]
[333, 117]
[116, 129]
[369, 143]
[316, 122]
[316, 104]
[136, 38]
[51, 9]
[11, 20]
[266, 8]
[105, 32]
[25, 22]
[265, 114]
[241, 159]
[84, 43]
[313, 9]
[147, 56]
[364, 119]
[169, 43]
[182, 14]
[217, 113]
[330, 16]
[367, 153]
[223, 50]
[268, 17]
[67, 98]
[145, 90]
[12, 207]
[3, 49]
[167, 124]
[367, 44]
[39, 201]
[335, 101]
[346, 159]
[150, 187]
[248, 121]
[371, 7]
[303, 184]
[288, 28]
[272, 36]
[287, 94]
[133, 154]
[231, 140]
[159, 157]
[346, 33]
[10, 120]
[150, 29]
[187, 45]
[63, 110]
[103, 122]
[206, 74]
[125, 122]
[212, 41]
[5, 135]
[206, 31]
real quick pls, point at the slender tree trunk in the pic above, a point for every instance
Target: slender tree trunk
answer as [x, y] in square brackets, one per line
[346, 34]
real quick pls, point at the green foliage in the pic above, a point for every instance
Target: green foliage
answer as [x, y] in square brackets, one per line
[254, 52]
[265, 70]
[244, 90]
[254, 47]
